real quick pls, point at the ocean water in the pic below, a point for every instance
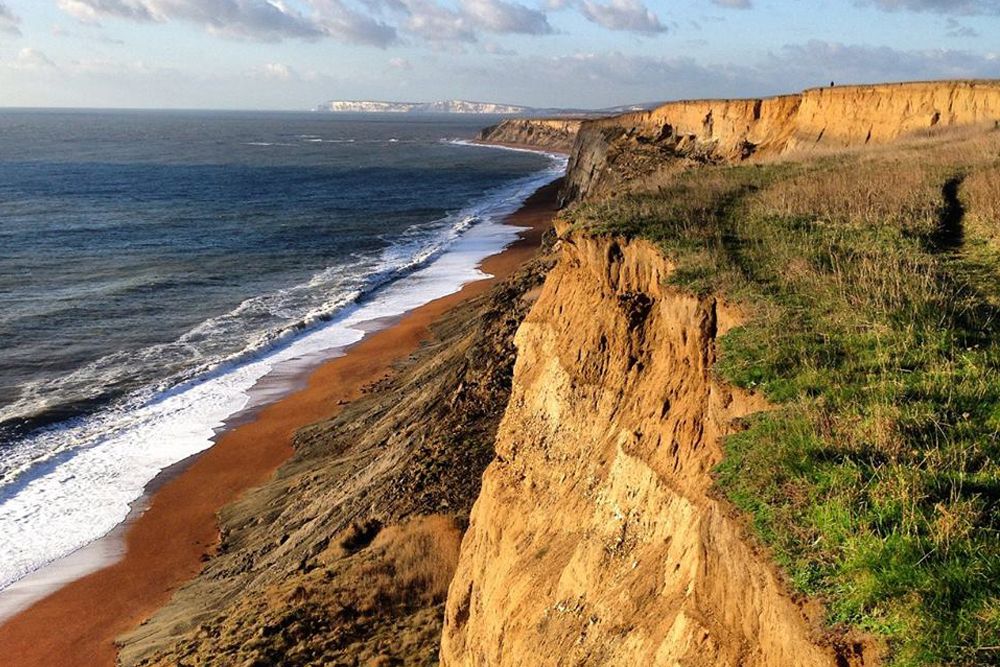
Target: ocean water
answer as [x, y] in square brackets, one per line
[155, 266]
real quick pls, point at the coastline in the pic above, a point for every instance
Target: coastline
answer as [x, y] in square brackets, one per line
[515, 146]
[166, 544]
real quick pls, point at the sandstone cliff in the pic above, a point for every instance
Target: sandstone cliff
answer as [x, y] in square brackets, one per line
[597, 539]
[557, 134]
[610, 151]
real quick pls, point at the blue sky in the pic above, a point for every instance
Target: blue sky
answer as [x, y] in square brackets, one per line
[293, 54]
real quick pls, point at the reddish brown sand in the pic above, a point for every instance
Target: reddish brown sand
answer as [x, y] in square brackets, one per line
[77, 624]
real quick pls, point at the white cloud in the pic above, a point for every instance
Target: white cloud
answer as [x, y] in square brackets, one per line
[614, 78]
[276, 71]
[91, 11]
[340, 21]
[438, 23]
[435, 23]
[442, 23]
[630, 15]
[506, 17]
[265, 20]
[272, 20]
[400, 64]
[29, 59]
[733, 4]
[9, 21]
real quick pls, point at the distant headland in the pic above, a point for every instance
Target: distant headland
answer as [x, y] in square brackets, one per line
[444, 106]
[462, 107]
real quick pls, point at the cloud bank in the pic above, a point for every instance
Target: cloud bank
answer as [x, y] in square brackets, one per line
[373, 22]
[261, 20]
[613, 78]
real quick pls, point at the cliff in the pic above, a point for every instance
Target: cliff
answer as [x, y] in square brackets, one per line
[607, 530]
[610, 151]
[557, 134]
[597, 539]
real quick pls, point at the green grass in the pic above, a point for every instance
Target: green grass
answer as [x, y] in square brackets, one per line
[876, 480]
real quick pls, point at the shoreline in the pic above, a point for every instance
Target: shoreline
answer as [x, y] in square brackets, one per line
[175, 529]
[515, 146]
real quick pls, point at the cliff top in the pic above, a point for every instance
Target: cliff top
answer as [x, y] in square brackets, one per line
[842, 88]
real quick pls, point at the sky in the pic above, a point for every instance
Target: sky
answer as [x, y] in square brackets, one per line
[294, 54]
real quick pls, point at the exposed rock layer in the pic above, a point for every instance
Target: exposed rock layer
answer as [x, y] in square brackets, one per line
[596, 539]
[556, 134]
[610, 150]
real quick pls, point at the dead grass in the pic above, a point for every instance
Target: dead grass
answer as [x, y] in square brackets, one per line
[419, 559]
[981, 193]
[870, 193]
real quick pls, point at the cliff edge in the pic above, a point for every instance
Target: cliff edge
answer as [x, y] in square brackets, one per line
[606, 531]
[596, 539]
[556, 134]
[609, 151]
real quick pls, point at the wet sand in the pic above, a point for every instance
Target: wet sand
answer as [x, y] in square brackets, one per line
[166, 545]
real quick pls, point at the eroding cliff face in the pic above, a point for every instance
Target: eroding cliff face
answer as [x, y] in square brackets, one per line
[596, 539]
[612, 151]
[858, 115]
[557, 134]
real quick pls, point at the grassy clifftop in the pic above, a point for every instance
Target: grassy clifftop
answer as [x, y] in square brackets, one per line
[871, 281]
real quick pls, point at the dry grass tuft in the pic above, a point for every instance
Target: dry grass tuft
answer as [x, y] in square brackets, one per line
[418, 558]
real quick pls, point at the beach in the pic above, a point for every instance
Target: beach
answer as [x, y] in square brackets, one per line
[167, 544]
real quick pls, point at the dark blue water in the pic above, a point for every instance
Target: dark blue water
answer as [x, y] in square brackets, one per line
[138, 248]
[154, 267]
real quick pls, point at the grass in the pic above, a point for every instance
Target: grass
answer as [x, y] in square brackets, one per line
[420, 557]
[875, 301]
[406, 565]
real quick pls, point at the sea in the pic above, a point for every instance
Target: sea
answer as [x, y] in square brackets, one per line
[156, 267]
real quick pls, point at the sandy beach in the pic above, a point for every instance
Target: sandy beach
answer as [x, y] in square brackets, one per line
[167, 544]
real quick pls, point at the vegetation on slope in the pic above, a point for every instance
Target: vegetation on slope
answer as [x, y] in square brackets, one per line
[872, 280]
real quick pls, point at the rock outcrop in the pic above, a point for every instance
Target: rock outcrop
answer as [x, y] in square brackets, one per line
[557, 134]
[612, 150]
[596, 539]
